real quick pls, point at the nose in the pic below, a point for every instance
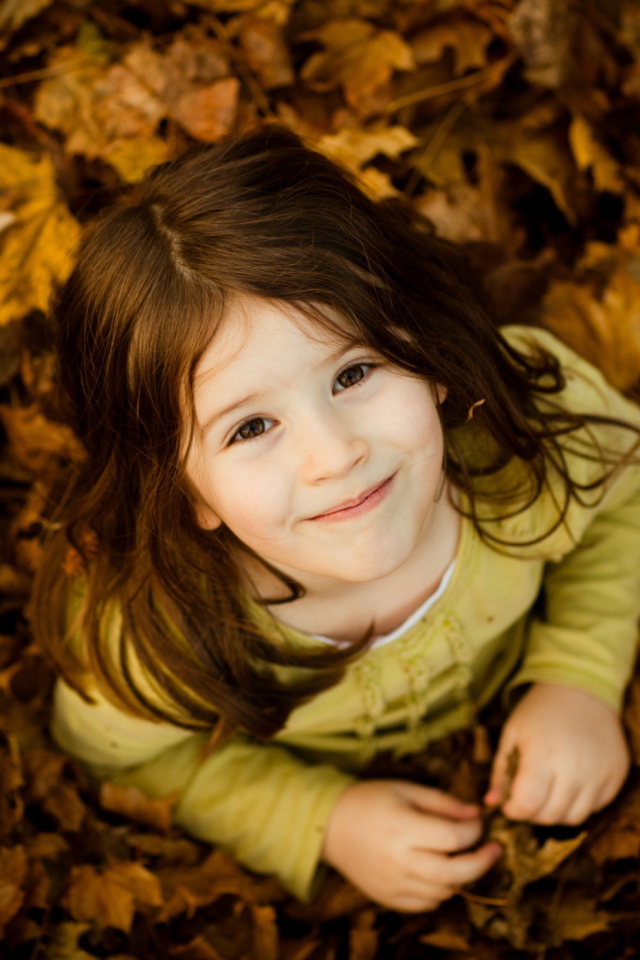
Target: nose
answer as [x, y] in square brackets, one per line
[329, 447]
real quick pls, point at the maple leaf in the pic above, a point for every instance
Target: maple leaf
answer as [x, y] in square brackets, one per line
[357, 57]
[39, 236]
[13, 871]
[134, 804]
[105, 112]
[110, 898]
[263, 44]
[466, 36]
[603, 329]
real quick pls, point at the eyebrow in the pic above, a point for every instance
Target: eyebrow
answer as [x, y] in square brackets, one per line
[251, 397]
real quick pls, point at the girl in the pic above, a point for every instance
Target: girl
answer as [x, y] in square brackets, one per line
[321, 496]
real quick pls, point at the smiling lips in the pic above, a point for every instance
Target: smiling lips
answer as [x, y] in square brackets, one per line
[354, 508]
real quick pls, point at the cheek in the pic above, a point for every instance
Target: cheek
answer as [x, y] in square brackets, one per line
[247, 498]
[412, 419]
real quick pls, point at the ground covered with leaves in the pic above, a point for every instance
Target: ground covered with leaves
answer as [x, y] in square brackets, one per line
[515, 129]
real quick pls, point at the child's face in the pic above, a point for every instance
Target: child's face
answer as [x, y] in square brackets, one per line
[314, 425]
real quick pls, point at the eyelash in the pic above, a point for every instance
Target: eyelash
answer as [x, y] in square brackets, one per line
[352, 366]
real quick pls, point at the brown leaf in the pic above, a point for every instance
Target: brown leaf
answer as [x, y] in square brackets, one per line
[13, 13]
[132, 803]
[208, 113]
[621, 837]
[36, 443]
[40, 238]
[187, 888]
[196, 949]
[263, 44]
[63, 942]
[604, 330]
[590, 154]
[524, 858]
[13, 872]
[110, 898]
[264, 933]
[466, 36]
[363, 937]
[357, 57]
[100, 110]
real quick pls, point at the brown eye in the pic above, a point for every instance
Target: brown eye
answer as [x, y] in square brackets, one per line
[250, 429]
[354, 375]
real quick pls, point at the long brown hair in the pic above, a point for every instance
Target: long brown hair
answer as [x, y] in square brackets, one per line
[263, 216]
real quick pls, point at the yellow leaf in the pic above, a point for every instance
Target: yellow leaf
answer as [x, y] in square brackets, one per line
[13, 871]
[36, 248]
[469, 39]
[353, 147]
[110, 898]
[605, 330]
[132, 158]
[13, 13]
[589, 153]
[132, 803]
[357, 57]
[97, 106]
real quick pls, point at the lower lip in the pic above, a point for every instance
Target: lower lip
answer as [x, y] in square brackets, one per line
[364, 506]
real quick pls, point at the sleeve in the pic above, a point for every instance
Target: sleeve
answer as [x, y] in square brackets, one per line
[587, 637]
[259, 802]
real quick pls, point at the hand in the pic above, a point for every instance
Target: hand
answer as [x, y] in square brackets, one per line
[573, 756]
[392, 839]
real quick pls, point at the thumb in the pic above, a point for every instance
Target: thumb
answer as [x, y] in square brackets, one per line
[503, 771]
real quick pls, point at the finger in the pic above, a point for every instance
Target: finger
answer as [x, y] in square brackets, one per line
[463, 868]
[529, 793]
[495, 793]
[581, 808]
[557, 805]
[442, 835]
[436, 801]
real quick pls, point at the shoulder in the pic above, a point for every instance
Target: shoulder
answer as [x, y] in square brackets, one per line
[586, 390]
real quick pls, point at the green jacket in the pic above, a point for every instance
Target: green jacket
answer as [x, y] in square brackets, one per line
[269, 804]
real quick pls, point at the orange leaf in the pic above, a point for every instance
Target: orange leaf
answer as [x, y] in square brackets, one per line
[208, 113]
[134, 804]
[13, 871]
[357, 57]
[110, 898]
[267, 53]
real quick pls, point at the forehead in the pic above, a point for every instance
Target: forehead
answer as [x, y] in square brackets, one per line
[258, 335]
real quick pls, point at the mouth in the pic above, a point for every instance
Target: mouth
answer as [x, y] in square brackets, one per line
[362, 504]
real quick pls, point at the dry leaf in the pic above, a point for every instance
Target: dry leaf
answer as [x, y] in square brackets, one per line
[621, 838]
[13, 13]
[132, 803]
[13, 872]
[263, 44]
[467, 37]
[363, 937]
[187, 888]
[110, 898]
[264, 933]
[36, 443]
[63, 943]
[358, 58]
[590, 154]
[38, 245]
[605, 331]
[208, 113]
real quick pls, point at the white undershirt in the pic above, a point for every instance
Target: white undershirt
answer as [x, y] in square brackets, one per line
[411, 619]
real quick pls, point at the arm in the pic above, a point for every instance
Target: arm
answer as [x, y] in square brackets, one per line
[258, 802]
[580, 654]
[277, 815]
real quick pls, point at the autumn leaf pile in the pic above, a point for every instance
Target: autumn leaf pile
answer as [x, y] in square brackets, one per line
[515, 129]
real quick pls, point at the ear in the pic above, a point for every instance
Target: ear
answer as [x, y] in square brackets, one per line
[207, 518]
[441, 392]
